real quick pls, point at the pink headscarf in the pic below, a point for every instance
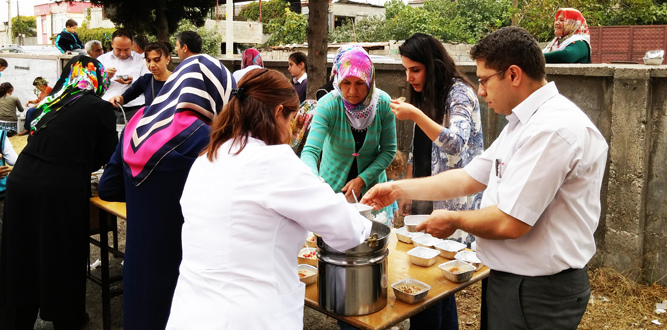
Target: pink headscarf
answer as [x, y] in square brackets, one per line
[354, 61]
[251, 56]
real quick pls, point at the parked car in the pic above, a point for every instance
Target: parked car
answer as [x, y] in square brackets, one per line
[34, 49]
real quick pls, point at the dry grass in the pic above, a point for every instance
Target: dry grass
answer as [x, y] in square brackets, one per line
[616, 303]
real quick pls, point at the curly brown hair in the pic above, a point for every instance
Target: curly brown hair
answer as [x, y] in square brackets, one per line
[398, 165]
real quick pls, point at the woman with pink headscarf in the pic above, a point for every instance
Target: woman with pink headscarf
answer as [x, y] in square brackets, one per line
[572, 43]
[352, 137]
[250, 60]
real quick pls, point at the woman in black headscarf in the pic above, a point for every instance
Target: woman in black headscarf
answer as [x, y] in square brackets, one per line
[46, 220]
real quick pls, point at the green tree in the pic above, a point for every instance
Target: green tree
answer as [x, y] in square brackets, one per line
[287, 29]
[156, 17]
[270, 10]
[24, 26]
[451, 21]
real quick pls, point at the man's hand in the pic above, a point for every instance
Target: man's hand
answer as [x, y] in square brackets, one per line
[124, 79]
[111, 72]
[441, 223]
[381, 195]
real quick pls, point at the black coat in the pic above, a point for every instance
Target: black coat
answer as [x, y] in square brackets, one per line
[46, 220]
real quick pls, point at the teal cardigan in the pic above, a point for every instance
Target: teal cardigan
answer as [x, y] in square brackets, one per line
[331, 138]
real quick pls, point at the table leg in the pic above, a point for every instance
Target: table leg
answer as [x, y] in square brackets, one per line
[104, 256]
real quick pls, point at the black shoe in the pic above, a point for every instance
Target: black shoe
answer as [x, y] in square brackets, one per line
[11, 133]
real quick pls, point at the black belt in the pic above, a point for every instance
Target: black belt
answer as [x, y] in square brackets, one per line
[562, 272]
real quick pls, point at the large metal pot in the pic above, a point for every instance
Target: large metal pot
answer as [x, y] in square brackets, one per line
[354, 282]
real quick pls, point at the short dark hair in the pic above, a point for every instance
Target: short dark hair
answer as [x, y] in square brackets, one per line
[190, 38]
[122, 33]
[298, 58]
[508, 46]
[141, 41]
[71, 22]
[159, 47]
[3, 63]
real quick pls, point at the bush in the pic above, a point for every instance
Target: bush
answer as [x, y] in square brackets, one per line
[101, 34]
[288, 29]
[211, 40]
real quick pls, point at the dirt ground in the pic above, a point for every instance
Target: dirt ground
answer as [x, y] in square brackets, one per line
[616, 302]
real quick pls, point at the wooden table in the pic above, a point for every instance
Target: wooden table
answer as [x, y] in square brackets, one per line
[399, 267]
[107, 213]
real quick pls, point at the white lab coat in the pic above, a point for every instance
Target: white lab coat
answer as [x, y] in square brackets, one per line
[246, 218]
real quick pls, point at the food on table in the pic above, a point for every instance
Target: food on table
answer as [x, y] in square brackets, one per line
[305, 273]
[308, 254]
[410, 288]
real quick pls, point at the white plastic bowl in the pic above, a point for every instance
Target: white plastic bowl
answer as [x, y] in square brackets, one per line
[405, 236]
[303, 260]
[653, 60]
[449, 248]
[422, 256]
[311, 270]
[457, 271]
[425, 240]
[411, 221]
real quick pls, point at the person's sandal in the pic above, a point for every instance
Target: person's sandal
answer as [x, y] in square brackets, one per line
[23, 132]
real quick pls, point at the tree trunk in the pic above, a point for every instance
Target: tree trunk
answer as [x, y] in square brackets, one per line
[162, 21]
[317, 45]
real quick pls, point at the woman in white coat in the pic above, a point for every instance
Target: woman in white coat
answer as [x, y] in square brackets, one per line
[248, 204]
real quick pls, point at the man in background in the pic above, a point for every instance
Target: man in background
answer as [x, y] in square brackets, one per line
[68, 41]
[188, 43]
[94, 48]
[140, 42]
[123, 66]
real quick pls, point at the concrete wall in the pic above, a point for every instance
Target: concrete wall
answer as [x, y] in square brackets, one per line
[628, 103]
[244, 32]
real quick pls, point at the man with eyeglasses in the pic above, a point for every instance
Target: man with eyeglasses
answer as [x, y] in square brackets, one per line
[541, 205]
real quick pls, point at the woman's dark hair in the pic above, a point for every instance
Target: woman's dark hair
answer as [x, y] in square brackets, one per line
[250, 112]
[5, 87]
[159, 47]
[440, 73]
[298, 58]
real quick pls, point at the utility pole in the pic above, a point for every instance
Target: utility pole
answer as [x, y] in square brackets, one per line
[9, 19]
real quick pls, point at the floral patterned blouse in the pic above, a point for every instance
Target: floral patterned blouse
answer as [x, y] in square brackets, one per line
[458, 144]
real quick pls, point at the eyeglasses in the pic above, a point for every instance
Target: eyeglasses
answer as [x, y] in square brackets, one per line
[483, 81]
